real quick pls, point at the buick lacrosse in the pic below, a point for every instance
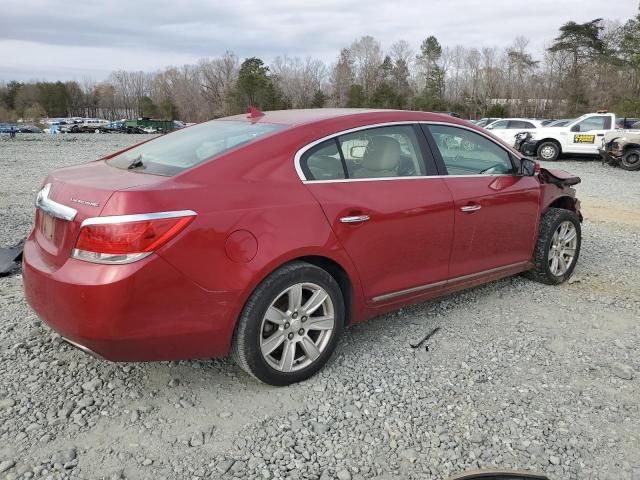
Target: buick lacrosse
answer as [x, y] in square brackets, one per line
[264, 235]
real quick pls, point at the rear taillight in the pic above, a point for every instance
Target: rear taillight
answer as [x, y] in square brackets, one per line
[128, 238]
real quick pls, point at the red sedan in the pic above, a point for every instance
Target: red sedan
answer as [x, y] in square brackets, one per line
[265, 235]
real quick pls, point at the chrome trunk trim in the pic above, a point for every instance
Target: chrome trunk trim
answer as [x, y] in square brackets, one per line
[53, 208]
[137, 217]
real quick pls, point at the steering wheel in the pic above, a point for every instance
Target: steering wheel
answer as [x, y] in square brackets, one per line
[495, 168]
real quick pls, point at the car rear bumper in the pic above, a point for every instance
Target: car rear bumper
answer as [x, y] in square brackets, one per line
[141, 311]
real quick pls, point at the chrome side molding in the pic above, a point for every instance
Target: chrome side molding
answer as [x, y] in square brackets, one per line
[442, 283]
[53, 208]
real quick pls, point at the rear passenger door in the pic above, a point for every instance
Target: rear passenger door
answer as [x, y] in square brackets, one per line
[391, 214]
[496, 211]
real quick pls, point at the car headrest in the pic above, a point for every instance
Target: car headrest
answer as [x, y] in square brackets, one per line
[382, 153]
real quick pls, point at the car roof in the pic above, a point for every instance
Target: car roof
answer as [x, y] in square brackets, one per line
[313, 124]
[298, 117]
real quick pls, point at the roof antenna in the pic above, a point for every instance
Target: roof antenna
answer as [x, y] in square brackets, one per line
[253, 112]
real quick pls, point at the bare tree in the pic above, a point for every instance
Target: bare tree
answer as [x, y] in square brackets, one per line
[367, 58]
[217, 78]
[342, 77]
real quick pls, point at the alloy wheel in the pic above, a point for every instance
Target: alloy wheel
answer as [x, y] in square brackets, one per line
[563, 248]
[297, 327]
[547, 152]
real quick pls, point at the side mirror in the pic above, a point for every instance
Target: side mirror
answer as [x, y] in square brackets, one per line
[575, 128]
[527, 167]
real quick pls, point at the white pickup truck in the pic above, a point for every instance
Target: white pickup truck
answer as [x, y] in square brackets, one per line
[582, 136]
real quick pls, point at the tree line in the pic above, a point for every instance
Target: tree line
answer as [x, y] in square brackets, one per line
[587, 66]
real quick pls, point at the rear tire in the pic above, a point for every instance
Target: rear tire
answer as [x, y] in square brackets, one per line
[557, 248]
[549, 151]
[631, 160]
[290, 325]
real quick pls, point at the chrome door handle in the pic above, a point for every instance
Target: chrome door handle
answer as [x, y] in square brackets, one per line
[355, 219]
[470, 208]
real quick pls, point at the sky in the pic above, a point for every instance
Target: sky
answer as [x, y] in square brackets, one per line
[67, 40]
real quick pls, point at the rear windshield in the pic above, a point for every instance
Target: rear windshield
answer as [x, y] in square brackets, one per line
[178, 151]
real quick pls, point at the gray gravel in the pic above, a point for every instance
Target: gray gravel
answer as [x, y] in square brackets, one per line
[520, 375]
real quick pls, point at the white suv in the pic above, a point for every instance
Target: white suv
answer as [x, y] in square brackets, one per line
[508, 128]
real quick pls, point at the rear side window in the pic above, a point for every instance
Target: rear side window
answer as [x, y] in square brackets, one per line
[500, 124]
[520, 124]
[186, 148]
[323, 162]
[468, 153]
[381, 152]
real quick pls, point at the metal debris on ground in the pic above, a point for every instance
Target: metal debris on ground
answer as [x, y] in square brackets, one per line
[10, 259]
[427, 337]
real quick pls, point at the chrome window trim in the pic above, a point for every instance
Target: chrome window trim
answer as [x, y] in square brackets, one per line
[53, 208]
[464, 127]
[440, 283]
[138, 217]
[424, 177]
[304, 149]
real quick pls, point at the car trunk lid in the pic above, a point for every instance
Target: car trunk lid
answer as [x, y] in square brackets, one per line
[72, 195]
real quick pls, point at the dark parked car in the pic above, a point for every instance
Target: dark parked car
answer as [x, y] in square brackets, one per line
[265, 235]
[625, 123]
[29, 129]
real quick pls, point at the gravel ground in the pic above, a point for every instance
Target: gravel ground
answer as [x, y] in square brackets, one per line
[520, 375]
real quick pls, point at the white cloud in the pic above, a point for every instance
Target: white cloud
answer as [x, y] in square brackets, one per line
[53, 39]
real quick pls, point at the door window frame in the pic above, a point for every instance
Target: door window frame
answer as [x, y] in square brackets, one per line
[442, 167]
[428, 161]
[526, 123]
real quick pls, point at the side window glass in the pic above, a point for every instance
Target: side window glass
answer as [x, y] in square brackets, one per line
[468, 153]
[500, 124]
[594, 123]
[323, 162]
[382, 152]
[520, 124]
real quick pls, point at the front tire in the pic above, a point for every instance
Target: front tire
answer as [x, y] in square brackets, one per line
[290, 325]
[549, 151]
[558, 247]
[631, 160]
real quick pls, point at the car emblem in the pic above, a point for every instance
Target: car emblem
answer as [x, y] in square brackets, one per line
[85, 202]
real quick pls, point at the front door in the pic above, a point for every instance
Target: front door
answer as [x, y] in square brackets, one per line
[394, 220]
[496, 211]
[586, 135]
